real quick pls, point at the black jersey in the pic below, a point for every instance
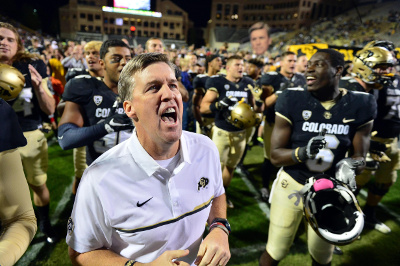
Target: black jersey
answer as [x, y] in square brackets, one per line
[73, 72]
[387, 121]
[199, 82]
[11, 136]
[236, 92]
[280, 83]
[97, 101]
[26, 105]
[351, 84]
[308, 117]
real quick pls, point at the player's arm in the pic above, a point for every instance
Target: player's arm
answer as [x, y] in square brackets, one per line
[196, 101]
[46, 101]
[361, 142]
[280, 138]
[72, 133]
[209, 102]
[105, 257]
[214, 250]
[271, 98]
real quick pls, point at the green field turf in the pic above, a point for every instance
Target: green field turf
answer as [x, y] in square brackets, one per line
[249, 223]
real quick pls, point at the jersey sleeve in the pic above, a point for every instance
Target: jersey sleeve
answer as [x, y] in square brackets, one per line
[368, 108]
[11, 136]
[40, 66]
[283, 105]
[197, 82]
[212, 84]
[268, 79]
[78, 89]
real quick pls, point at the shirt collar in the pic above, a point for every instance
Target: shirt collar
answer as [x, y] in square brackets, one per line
[147, 163]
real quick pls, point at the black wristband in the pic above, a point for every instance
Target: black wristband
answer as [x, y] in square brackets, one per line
[130, 262]
[299, 155]
[259, 103]
[214, 107]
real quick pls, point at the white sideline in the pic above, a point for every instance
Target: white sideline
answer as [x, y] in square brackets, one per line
[35, 249]
[261, 204]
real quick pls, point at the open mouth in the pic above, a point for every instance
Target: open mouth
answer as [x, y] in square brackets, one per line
[169, 116]
[310, 80]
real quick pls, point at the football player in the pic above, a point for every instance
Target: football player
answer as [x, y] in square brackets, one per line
[34, 99]
[372, 72]
[93, 116]
[204, 122]
[274, 83]
[92, 56]
[222, 93]
[314, 129]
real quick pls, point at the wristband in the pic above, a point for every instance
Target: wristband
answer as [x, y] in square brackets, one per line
[130, 262]
[295, 155]
[214, 107]
[223, 222]
[259, 103]
[219, 225]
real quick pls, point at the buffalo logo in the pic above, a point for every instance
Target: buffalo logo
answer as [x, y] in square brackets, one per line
[97, 99]
[202, 183]
[284, 183]
[70, 226]
[306, 114]
[327, 115]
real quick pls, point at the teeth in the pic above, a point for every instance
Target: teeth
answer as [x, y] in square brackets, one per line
[169, 110]
[310, 78]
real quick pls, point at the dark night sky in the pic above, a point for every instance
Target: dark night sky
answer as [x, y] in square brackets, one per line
[46, 15]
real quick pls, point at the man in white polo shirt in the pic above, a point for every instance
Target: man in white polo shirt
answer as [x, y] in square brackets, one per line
[147, 200]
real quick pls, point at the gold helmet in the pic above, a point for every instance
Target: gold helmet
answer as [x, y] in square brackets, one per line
[243, 116]
[11, 82]
[367, 59]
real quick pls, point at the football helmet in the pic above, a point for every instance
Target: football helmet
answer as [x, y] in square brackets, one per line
[243, 116]
[11, 82]
[332, 210]
[383, 44]
[367, 59]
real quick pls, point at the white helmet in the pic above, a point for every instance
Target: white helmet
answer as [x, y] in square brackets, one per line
[332, 210]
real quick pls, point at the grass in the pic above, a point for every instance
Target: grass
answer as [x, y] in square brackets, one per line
[249, 223]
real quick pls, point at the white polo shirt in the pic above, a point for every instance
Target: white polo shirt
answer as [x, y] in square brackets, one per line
[129, 204]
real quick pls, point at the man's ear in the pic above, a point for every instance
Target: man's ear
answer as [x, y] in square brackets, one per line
[130, 110]
[101, 61]
[339, 71]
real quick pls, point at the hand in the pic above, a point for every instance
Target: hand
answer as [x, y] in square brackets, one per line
[256, 91]
[36, 78]
[118, 122]
[377, 151]
[169, 258]
[206, 130]
[214, 250]
[345, 171]
[225, 103]
[312, 148]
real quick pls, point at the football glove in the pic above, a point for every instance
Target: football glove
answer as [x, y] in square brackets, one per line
[377, 151]
[118, 122]
[345, 171]
[256, 91]
[225, 103]
[312, 148]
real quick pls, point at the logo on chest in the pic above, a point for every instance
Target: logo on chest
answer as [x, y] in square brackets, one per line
[202, 183]
[98, 99]
[306, 114]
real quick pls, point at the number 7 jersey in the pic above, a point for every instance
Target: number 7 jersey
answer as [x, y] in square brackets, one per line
[308, 117]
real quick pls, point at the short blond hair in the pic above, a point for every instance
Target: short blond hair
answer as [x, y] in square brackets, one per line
[95, 45]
